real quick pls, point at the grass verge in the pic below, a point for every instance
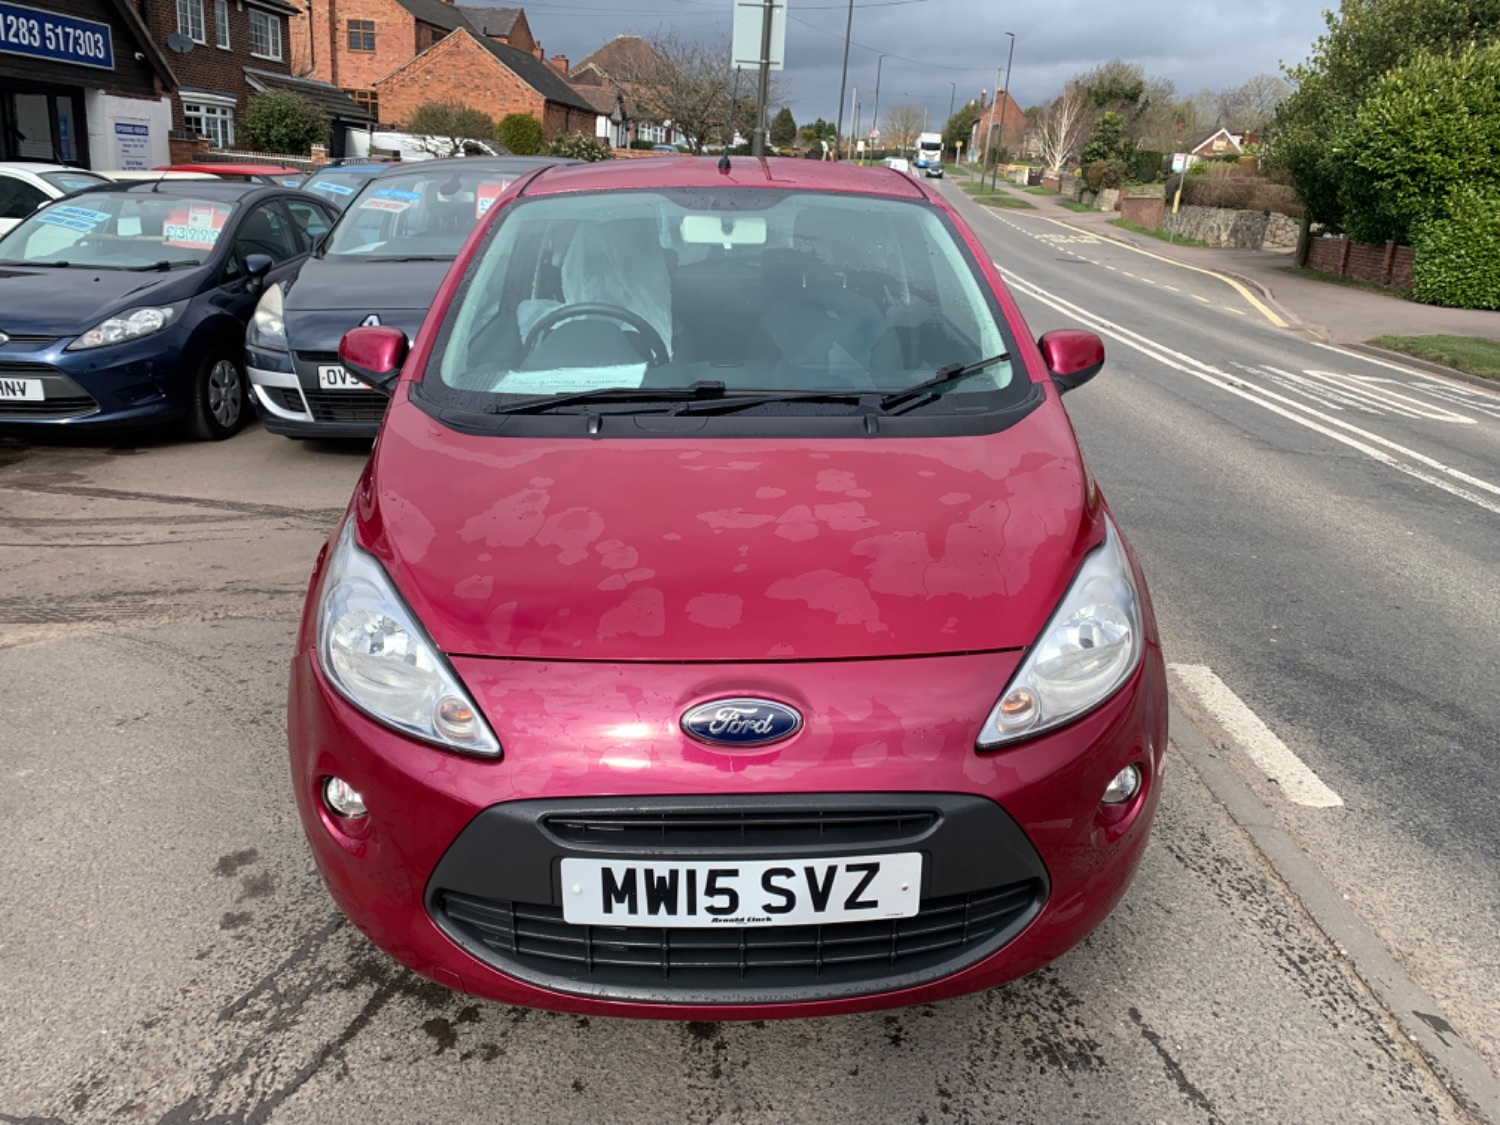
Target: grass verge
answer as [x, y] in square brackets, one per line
[1074, 205]
[1472, 354]
[1161, 234]
[1039, 190]
[997, 199]
[1347, 282]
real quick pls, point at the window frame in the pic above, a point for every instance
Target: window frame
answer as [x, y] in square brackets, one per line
[271, 26]
[221, 25]
[206, 112]
[365, 29]
[190, 8]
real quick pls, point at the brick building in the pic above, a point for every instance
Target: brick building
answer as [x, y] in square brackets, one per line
[620, 65]
[210, 45]
[993, 113]
[508, 25]
[489, 76]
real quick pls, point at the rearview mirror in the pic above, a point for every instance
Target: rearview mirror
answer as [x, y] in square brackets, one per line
[374, 356]
[1073, 356]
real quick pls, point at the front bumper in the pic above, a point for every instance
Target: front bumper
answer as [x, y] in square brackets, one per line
[291, 403]
[455, 870]
[136, 383]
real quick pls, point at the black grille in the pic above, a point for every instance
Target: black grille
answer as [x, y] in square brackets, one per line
[346, 406]
[319, 357]
[65, 398]
[288, 398]
[27, 338]
[850, 957]
[769, 828]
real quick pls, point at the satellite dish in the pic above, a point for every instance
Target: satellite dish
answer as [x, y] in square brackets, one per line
[179, 42]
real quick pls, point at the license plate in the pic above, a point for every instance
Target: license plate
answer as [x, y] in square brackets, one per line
[334, 378]
[25, 390]
[708, 893]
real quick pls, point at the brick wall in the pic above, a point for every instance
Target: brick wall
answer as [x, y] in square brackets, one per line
[1383, 264]
[560, 119]
[459, 70]
[396, 41]
[1142, 210]
[209, 67]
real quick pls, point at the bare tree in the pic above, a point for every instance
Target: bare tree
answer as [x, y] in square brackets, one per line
[450, 128]
[1249, 107]
[1062, 126]
[692, 85]
[902, 126]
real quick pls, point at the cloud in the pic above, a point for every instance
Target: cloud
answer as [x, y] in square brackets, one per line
[932, 43]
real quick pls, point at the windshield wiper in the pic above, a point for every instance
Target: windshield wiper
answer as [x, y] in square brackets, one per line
[745, 401]
[163, 266]
[541, 403]
[418, 258]
[951, 373]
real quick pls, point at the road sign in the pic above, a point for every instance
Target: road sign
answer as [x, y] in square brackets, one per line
[749, 17]
[1179, 161]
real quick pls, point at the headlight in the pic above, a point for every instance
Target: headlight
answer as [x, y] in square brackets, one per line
[1089, 648]
[267, 329]
[377, 656]
[130, 325]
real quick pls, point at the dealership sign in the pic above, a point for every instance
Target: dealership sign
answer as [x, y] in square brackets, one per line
[47, 35]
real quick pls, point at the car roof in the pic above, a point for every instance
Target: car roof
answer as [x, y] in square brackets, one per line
[231, 169]
[513, 164]
[227, 190]
[363, 168]
[787, 173]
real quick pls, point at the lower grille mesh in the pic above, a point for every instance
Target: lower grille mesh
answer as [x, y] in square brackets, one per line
[346, 406]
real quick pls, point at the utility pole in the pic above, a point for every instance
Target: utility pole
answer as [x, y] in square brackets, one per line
[838, 133]
[989, 129]
[854, 124]
[951, 99]
[995, 175]
[763, 91]
[876, 118]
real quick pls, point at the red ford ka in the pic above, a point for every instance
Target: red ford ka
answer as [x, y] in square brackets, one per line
[725, 625]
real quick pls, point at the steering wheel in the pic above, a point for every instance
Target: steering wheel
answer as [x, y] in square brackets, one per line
[654, 343]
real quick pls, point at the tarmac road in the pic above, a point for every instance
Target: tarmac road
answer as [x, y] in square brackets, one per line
[168, 954]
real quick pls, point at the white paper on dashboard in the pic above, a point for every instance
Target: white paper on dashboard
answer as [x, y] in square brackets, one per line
[569, 380]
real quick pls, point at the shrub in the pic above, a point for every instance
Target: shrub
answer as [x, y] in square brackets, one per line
[1102, 174]
[1106, 141]
[447, 125]
[580, 146]
[281, 121]
[521, 133]
[1457, 260]
[1146, 165]
[1237, 187]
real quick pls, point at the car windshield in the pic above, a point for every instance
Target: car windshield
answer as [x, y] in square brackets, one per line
[338, 188]
[72, 181]
[425, 214]
[119, 230]
[754, 289]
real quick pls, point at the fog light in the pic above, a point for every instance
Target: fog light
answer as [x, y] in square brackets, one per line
[1125, 785]
[343, 799]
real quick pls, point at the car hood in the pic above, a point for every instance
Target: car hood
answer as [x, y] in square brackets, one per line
[665, 549]
[65, 302]
[329, 297]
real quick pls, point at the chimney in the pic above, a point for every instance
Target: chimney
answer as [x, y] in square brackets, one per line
[540, 54]
[560, 64]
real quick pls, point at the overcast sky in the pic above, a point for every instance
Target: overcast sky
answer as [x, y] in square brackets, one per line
[932, 43]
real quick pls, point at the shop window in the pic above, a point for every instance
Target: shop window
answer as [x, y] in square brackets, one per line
[190, 19]
[216, 122]
[361, 35]
[221, 24]
[265, 35]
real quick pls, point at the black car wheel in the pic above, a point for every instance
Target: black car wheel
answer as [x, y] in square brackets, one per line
[220, 398]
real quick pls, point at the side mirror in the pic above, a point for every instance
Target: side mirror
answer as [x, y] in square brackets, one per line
[1073, 356]
[374, 356]
[256, 268]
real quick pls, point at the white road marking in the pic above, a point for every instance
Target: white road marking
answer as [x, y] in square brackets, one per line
[1205, 300]
[1173, 288]
[1439, 386]
[1415, 465]
[1237, 312]
[1371, 390]
[1257, 740]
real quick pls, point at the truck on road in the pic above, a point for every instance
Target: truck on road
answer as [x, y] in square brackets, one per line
[930, 154]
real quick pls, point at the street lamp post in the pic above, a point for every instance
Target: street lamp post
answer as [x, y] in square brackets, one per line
[875, 118]
[995, 175]
[838, 134]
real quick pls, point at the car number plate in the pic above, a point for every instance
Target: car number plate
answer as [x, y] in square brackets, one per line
[332, 377]
[708, 893]
[23, 390]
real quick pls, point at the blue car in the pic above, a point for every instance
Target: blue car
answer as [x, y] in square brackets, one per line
[123, 306]
[338, 183]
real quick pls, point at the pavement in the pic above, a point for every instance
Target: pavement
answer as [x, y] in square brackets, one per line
[1325, 310]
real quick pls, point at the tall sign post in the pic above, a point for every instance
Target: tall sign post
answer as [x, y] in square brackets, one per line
[759, 43]
[1179, 168]
[995, 175]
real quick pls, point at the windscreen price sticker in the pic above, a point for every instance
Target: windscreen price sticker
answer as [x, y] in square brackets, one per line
[197, 228]
[485, 196]
[393, 200]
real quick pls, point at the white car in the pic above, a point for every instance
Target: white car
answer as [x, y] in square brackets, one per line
[154, 174]
[899, 164]
[25, 187]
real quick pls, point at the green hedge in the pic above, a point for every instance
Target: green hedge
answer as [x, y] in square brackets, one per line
[1458, 256]
[520, 133]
